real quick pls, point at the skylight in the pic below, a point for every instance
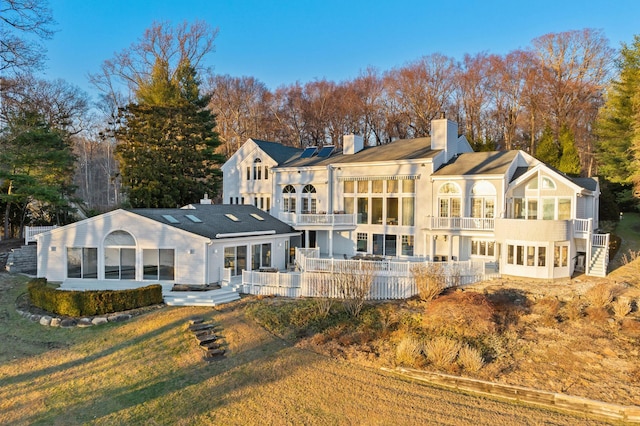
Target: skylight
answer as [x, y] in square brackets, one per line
[309, 151]
[257, 216]
[170, 218]
[193, 218]
[232, 217]
[326, 151]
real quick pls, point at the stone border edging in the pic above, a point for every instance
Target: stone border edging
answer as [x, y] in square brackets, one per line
[573, 404]
[84, 322]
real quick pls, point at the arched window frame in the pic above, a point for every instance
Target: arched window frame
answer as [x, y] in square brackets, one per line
[120, 255]
[450, 200]
[483, 199]
[309, 200]
[289, 199]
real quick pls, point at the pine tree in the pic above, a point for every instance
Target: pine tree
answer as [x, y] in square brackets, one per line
[548, 150]
[570, 159]
[166, 148]
[618, 160]
[37, 165]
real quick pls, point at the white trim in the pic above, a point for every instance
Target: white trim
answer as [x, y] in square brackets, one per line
[390, 177]
[245, 234]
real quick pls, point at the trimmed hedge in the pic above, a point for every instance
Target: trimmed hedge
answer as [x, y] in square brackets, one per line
[89, 303]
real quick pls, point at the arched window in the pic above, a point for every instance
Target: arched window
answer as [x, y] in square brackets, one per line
[257, 169]
[309, 201]
[483, 200]
[547, 183]
[119, 256]
[449, 200]
[289, 199]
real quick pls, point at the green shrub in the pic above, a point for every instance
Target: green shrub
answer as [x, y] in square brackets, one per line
[88, 303]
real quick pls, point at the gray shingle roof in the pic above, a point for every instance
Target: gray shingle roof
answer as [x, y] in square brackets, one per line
[280, 153]
[587, 183]
[215, 222]
[402, 149]
[478, 163]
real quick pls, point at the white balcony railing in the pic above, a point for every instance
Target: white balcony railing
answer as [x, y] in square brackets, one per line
[583, 226]
[31, 231]
[296, 219]
[461, 223]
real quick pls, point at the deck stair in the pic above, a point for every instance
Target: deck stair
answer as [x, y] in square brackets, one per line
[201, 298]
[598, 262]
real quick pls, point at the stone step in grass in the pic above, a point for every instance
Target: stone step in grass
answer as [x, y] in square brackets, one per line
[205, 332]
[207, 338]
[210, 345]
[196, 320]
[201, 327]
[214, 354]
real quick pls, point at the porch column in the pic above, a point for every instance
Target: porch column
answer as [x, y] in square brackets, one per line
[450, 247]
[331, 243]
[306, 238]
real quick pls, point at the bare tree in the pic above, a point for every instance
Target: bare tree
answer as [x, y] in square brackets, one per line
[575, 67]
[241, 109]
[19, 21]
[185, 43]
[416, 94]
[473, 88]
[63, 105]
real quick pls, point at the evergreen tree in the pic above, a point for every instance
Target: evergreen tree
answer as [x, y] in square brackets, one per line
[618, 161]
[36, 171]
[570, 159]
[166, 147]
[548, 150]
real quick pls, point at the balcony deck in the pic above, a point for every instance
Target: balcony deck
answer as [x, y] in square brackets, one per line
[339, 221]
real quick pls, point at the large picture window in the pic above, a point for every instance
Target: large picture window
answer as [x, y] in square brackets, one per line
[119, 256]
[158, 264]
[82, 262]
[527, 255]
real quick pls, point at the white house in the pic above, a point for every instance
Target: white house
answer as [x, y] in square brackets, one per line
[190, 245]
[430, 198]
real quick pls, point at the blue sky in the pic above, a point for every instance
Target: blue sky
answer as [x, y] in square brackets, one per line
[281, 42]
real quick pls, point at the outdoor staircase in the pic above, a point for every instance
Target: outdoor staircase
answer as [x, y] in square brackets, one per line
[598, 262]
[216, 297]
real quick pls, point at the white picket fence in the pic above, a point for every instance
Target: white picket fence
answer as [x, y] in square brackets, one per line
[391, 280]
[31, 231]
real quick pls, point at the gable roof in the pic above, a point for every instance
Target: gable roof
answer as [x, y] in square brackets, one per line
[280, 153]
[523, 173]
[478, 163]
[214, 222]
[402, 149]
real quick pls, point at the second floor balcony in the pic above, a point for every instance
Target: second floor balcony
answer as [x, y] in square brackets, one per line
[582, 228]
[461, 223]
[319, 220]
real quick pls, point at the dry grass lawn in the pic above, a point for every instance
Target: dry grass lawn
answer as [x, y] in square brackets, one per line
[149, 370]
